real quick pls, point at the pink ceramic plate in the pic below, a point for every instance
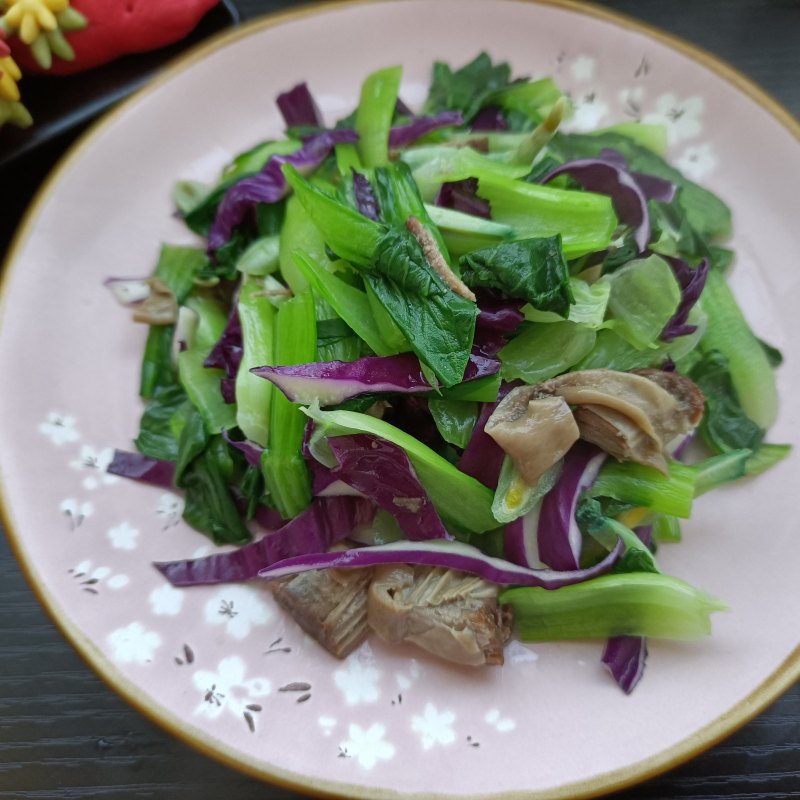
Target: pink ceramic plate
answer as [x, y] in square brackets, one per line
[221, 666]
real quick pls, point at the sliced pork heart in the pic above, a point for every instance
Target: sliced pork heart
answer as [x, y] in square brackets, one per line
[448, 613]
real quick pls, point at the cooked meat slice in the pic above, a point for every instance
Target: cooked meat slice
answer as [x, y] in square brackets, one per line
[631, 415]
[448, 613]
[685, 391]
[160, 307]
[619, 436]
[534, 430]
[328, 604]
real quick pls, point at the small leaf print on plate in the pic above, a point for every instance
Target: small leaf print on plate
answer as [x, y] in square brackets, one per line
[91, 580]
[133, 644]
[76, 512]
[367, 746]
[434, 727]
[59, 428]
[238, 608]
[227, 689]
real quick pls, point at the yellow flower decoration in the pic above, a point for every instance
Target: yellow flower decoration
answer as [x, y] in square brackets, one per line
[31, 17]
[10, 73]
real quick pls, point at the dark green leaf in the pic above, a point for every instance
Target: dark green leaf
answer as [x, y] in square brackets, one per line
[529, 269]
[455, 419]
[725, 426]
[269, 218]
[157, 371]
[210, 507]
[156, 438]
[439, 324]
[467, 88]
[192, 442]
[336, 341]
[618, 256]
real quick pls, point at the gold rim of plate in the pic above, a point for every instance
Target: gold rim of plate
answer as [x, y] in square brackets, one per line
[776, 684]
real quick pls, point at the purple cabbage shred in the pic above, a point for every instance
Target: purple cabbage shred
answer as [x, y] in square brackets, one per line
[625, 658]
[325, 522]
[298, 108]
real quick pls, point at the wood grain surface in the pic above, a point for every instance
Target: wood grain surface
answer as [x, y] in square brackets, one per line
[65, 735]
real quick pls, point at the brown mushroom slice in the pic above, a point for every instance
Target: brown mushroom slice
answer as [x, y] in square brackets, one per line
[450, 614]
[328, 604]
[534, 430]
[619, 436]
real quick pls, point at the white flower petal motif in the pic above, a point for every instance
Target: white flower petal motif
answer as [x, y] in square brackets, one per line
[59, 428]
[133, 644]
[227, 689]
[118, 581]
[588, 111]
[434, 727]
[680, 117]
[238, 608]
[368, 746]
[123, 536]
[166, 600]
[96, 461]
[632, 98]
[501, 724]
[582, 68]
[697, 161]
[358, 678]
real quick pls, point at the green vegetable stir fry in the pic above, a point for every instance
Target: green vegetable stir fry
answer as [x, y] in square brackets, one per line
[479, 366]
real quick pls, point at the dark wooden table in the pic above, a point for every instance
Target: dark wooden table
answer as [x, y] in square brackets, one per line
[65, 735]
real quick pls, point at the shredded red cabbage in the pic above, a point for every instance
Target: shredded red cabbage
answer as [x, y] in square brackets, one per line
[462, 196]
[333, 382]
[483, 457]
[366, 201]
[298, 108]
[381, 472]
[449, 555]
[154, 471]
[625, 657]
[325, 522]
[558, 537]
[498, 313]
[608, 175]
[692, 280]
[269, 185]
[252, 451]
[489, 118]
[401, 135]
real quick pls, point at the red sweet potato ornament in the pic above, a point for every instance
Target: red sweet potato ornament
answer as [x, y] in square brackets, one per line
[116, 28]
